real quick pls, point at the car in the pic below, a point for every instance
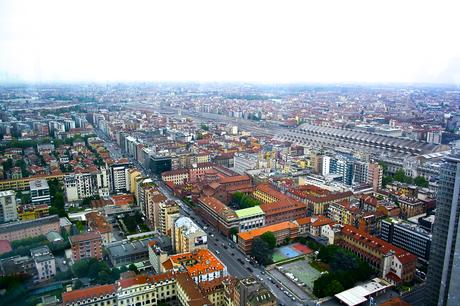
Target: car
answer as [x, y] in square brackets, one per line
[263, 273]
[247, 259]
[249, 269]
[217, 252]
[225, 247]
[233, 254]
[293, 299]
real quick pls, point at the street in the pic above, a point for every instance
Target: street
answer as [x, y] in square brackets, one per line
[226, 250]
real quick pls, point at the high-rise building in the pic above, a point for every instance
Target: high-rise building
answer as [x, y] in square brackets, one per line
[188, 236]
[8, 210]
[443, 279]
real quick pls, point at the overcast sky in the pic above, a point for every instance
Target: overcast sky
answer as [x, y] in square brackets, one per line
[256, 41]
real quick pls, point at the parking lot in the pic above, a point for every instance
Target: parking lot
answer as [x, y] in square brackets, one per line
[289, 284]
[303, 272]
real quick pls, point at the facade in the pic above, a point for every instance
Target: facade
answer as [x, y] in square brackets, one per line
[44, 263]
[178, 177]
[8, 209]
[86, 183]
[32, 212]
[394, 264]
[281, 231]
[277, 206]
[27, 229]
[243, 162]
[119, 177]
[40, 192]
[23, 183]
[407, 236]
[188, 236]
[375, 176]
[86, 245]
[218, 214]
[124, 253]
[168, 214]
[443, 278]
[98, 223]
[250, 218]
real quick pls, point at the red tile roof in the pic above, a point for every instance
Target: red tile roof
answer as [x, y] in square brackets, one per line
[82, 294]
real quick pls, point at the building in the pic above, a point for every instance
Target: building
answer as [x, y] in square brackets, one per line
[178, 177]
[277, 206]
[32, 212]
[23, 183]
[85, 183]
[98, 223]
[218, 214]
[361, 294]
[243, 162]
[124, 253]
[406, 235]
[28, 229]
[443, 278]
[8, 209]
[250, 292]
[160, 164]
[119, 176]
[40, 192]
[281, 231]
[250, 218]
[201, 265]
[44, 263]
[394, 264]
[375, 176]
[168, 214]
[322, 136]
[188, 236]
[86, 245]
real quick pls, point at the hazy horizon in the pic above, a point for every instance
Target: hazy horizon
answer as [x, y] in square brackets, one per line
[259, 42]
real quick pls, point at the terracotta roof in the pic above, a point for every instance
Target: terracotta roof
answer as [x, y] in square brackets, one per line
[217, 206]
[303, 221]
[233, 179]
[204, 261]
[82, 294]
[122, 199]
[396, 301]
[97, 222]
[85, 236]
[377, 243]
[144, 278]
[271, 228]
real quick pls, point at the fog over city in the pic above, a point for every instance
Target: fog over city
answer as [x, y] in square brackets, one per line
[249, 41]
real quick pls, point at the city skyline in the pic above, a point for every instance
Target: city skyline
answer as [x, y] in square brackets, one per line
[353, 42]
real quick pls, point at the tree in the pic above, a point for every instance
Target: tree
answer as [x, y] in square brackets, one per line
[421, 181]
[261, 251]
[77, 284]
[387, 180]
[132, 267]
[400, 176]
[333, 288]
[269, 238]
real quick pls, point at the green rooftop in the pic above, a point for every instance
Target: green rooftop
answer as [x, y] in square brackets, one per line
[249, 212]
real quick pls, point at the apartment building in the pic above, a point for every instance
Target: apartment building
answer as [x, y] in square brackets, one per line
[44, 263]
[86, 245]
[8, 208]
[188, 236]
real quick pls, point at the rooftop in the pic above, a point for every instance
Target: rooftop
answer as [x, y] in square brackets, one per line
[271, 228]
[93, 235]
[249, 212]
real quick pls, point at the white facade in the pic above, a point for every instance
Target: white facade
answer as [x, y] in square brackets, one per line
[83, 185]
[8, 209]
[40, 192]
[44, 263]
[120, 179]
[326, 160]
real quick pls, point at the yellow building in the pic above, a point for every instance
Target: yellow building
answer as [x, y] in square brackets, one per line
[133, 175]
[23, 183]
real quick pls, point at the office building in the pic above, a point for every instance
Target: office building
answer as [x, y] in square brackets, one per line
[8, 209]
[406, 235]
[443, 278]
[40, 192]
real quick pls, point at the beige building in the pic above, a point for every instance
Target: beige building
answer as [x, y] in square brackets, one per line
[188, 236]
[168, 214]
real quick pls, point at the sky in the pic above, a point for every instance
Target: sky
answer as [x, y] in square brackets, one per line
[323, 41]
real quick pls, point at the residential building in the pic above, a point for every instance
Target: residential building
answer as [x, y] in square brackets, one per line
[243, 162]
[40, 192]
[281, 231]
[44, 263]
[23, 183]
[178, 177]
[85, 183]
[188, 236]
[8, 209]
[119, 176]
[32, 212]
[28, 229]
[97, 222]
[443, 278]
[169, 212]
[125, 252]
[250, 218]
[86, 245]
[406, 235]
[375, 176]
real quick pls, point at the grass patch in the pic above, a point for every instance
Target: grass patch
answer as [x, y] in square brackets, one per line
[320, 266]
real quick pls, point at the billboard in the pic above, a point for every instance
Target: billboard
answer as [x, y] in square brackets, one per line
[201, 240]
